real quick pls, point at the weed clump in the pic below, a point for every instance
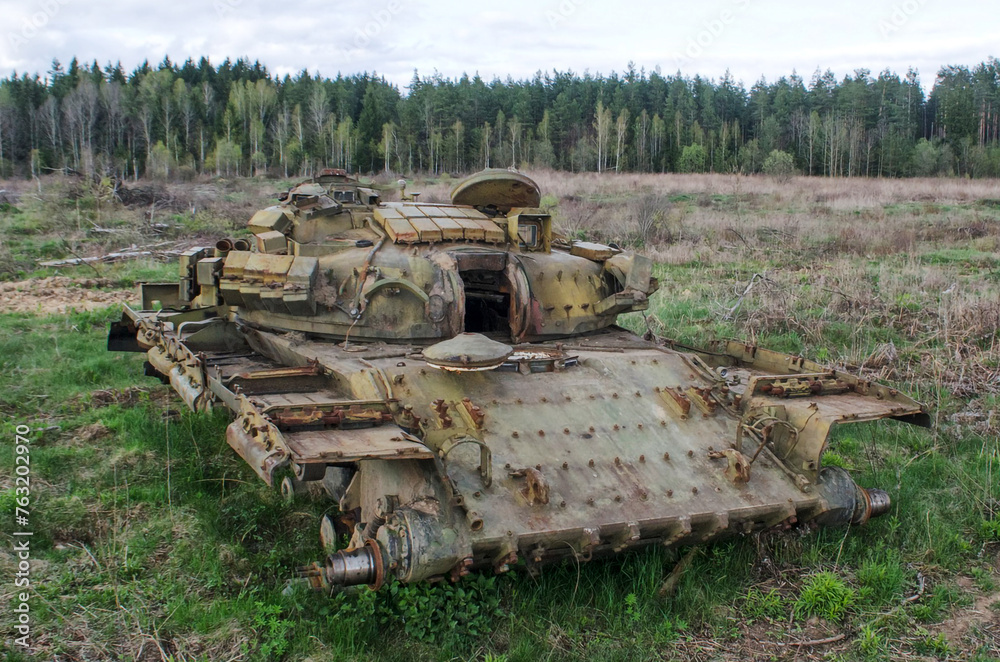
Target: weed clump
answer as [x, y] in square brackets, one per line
[447, 615]
[825, 595]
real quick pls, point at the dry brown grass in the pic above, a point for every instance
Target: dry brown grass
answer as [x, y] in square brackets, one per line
[702, 215]
[845, 193]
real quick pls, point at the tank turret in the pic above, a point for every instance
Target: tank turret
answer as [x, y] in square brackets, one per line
[333, 260]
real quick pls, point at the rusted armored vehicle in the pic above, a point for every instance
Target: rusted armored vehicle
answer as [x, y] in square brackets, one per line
[452, 378]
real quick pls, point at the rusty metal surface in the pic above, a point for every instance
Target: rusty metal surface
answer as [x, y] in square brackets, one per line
[377, 443]
[467, 351]
[543, 432]
[409, 223]
[502, 189]
[608, 458]
[603, 445]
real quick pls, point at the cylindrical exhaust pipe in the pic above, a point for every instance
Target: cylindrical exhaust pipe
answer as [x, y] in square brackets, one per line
[879, 502]
[847, 503]
[241, 245]
[222, 247]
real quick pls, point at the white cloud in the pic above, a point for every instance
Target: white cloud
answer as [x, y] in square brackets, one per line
[752, 38]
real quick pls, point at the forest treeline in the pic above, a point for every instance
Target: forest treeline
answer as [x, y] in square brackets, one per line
[179, 120]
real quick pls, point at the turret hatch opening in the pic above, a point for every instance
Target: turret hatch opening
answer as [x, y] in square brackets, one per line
[487, 302]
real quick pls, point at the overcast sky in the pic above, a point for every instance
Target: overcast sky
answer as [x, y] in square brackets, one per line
[751, 38]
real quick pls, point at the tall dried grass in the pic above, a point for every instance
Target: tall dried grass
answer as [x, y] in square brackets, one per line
[845, 193]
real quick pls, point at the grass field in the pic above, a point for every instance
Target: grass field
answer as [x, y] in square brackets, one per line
[153, 541]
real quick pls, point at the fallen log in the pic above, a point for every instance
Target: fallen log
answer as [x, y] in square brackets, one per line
[108, 257]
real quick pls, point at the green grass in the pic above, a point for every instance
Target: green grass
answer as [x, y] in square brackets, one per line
[151, 532]
[152, 524]
[964, 257]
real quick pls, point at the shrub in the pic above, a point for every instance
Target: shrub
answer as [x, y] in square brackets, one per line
[693, 159]
[160, 161]
[779, 165]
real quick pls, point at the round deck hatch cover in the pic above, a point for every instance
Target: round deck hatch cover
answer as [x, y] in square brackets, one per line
[467, 352]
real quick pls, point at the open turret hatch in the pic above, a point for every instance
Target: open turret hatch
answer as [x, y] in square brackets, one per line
[501, 190]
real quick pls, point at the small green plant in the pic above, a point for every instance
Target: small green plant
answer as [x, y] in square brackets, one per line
[447, 615]
[990, 529]
[759, 605]
[825, 595]
[272, 629]
[633, 613]
[669, 630]
[882, 580]
[870, 642]
[831, 459]
[779, 165]
[934, 645]
[358, 607]
[8, 501]
[984, 579]
[940, 600]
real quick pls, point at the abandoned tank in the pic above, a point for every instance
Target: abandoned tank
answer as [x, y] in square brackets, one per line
[452, 378]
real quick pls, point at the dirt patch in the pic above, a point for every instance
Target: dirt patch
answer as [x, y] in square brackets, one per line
[770, 640]
[976, 626]
[58, 294]
[126, 397]
[91, 433]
